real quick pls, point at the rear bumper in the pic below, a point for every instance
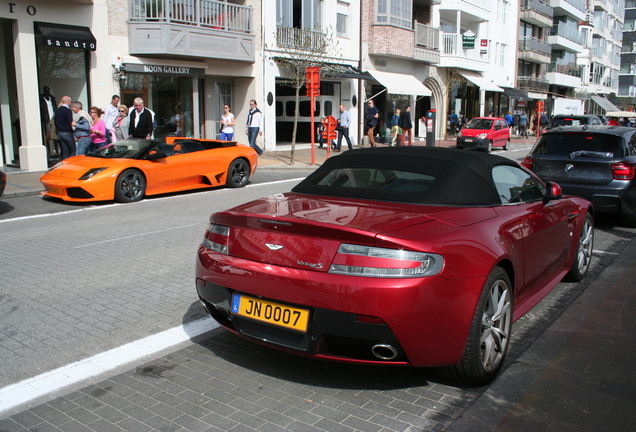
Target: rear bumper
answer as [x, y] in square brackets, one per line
[426, 320]
[471, 142]
[619, 199]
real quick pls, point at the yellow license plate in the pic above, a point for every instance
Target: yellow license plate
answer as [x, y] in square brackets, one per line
[270, 312]
[57, 191]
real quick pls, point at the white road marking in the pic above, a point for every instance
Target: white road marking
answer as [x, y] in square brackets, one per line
[140, 235]
[105, 206]
[21, 393]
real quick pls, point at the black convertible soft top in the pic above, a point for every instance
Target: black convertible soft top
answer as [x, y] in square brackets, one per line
[457, 177]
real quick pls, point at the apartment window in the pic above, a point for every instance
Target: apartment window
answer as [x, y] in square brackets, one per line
[342, 19]
[395, 12]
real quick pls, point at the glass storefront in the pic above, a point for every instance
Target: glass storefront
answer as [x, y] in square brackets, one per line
[170, 97]
[9, 121]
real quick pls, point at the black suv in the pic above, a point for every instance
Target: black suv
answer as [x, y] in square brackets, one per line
[572, 120]
[595, 162]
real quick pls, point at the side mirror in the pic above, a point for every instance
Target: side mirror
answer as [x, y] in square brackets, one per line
[158, 155]
[553, 192]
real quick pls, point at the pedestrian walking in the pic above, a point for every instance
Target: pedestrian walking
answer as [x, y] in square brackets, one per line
[64, 128]
[407, 125]
[344, 122]
[523, 125]
[142, 120]
[453, 118]
[227, 122]
[372, 120]
[98, 129]
[121, 124]
[395, 126]
[82, 123]
[254, 126]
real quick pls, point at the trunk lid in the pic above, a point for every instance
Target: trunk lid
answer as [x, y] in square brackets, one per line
[302, 231]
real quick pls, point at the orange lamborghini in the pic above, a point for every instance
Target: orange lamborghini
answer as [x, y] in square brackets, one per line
[128, 170]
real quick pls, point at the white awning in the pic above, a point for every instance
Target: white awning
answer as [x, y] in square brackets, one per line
[480, 81]
[604, 103]
[402, 84]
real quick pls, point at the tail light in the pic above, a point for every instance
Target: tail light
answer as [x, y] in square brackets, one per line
[527, 162]
[217, 238]
[623, 171]
[367, 261]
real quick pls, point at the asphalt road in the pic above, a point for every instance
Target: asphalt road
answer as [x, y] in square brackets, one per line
[83, 279]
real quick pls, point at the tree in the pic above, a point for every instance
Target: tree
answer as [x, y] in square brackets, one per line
[297, 49]
[452, 81]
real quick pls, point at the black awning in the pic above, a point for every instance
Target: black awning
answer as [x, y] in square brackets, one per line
[64, 36]
[515, 94]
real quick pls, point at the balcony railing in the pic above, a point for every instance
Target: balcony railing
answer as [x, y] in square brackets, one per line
[205, 13]
[426, 36]
[452, 45]
[568, 32]
[533, 84]
[301, 39]
[539, 6]
[571, 69]
[579, 4]
[529, 43]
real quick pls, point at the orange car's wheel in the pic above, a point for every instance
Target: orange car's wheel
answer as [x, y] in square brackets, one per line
[238, 174]
[130, 186]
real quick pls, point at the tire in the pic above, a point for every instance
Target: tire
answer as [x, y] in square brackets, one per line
[507, 145]
[460, 147]
[130, 186]
[238, 174]
[583, 257]
[489, 147]
[489, 335]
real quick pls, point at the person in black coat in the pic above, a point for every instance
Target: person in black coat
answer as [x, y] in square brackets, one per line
[407, 125]
[141, 120]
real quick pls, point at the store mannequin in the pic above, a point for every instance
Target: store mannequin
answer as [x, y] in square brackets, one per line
[48, 104]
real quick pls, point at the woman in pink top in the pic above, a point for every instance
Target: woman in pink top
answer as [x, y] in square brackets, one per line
[98, 130]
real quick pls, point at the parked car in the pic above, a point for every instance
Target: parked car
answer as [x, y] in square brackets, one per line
[396, 256]
[572, 120]
[596, 163]
[128, 170]
[3, 182]
[484, 133]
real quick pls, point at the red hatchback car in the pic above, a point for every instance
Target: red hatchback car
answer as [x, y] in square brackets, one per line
[484, 133]
[398, 256]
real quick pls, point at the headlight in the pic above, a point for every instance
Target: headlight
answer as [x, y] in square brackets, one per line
[459, 134]
[482, 136]
[368, 261]
[217, 238]
[91, 172]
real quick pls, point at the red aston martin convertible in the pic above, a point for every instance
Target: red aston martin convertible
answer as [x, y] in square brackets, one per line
[402, 256]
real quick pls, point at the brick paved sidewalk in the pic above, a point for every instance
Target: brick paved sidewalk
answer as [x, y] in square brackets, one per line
[586, 385]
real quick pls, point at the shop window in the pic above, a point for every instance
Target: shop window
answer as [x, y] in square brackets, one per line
[170, 97]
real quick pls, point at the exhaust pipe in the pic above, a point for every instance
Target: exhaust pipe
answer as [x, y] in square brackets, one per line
[384, 351]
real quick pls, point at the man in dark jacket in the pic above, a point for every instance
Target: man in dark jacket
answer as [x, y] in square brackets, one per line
[64, 128]
[406, 124]
[141, 120]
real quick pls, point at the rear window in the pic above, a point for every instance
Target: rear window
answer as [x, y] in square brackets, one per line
[570, 122]
[400, 179]
[565, 144]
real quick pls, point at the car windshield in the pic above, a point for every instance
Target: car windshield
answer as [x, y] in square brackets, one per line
[126, 149]
[479, 124]
[564, 144]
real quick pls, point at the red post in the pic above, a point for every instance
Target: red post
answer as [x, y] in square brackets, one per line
[539, 114]
[312, 83]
